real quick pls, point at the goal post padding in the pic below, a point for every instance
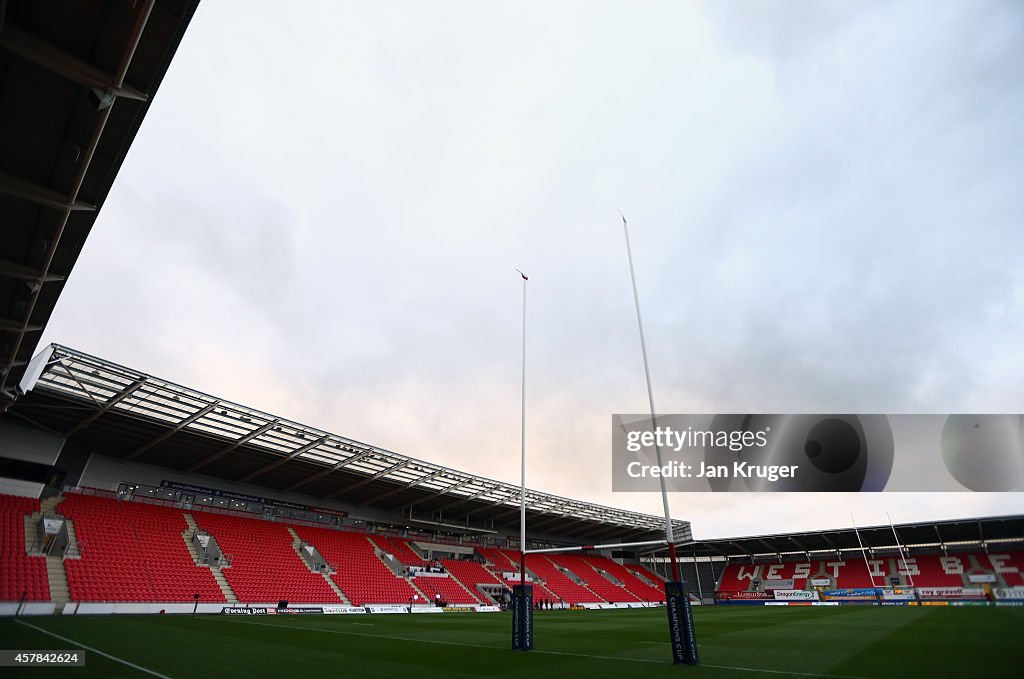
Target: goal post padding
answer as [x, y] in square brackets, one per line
[682, 635]
[522, 617]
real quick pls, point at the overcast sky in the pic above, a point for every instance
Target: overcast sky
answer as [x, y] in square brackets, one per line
[321, 215]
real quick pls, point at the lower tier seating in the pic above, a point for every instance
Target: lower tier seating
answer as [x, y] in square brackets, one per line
[500, 559]
[851, 571]
[361, 575]
[640, 589]
[132, 552]
[471, 574]
[596, 583]
[399, 548]
[558, 583]
[21, 574]
[264, 566]
[450, 590]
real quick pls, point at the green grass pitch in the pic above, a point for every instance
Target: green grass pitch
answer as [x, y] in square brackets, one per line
[734, 642]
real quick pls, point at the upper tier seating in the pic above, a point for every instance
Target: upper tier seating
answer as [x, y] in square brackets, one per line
[596, 583]
[21, 573]
[361, 575]
[264, 566]
[132, 552]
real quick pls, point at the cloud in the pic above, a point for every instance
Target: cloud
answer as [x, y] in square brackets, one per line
[822, 202]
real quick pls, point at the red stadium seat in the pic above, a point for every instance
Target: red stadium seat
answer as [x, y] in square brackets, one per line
[21, 573]
[584, 568]
[471, 574]
[264, 566]
[361, 575]
[132, 552]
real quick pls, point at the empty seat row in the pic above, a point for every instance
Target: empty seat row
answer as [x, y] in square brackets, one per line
[132, 552]
[21, 574]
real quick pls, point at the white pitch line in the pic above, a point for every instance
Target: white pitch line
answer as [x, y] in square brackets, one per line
[93, 650]
[785, 672]
[562, 653]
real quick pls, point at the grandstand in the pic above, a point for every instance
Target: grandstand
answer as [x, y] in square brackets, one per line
[21, 575]
[125, 493]
[196, 499]
[191, 497]
[359, 570]
[135, 553]
[942, 559]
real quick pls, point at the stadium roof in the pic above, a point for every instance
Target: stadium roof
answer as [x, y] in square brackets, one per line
[76, 80]
[931, 535]
[130, 415]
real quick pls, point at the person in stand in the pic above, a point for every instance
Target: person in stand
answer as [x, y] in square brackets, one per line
[437, 600]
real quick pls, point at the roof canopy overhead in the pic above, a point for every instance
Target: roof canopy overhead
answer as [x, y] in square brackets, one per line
[1000, 532]
[134, 416]
[76, 80]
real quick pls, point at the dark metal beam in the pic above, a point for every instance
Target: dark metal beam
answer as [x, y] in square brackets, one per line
[169, 433]
[359, 484]
[830, 543]
[500, 515]
[771, 548]
[938, 534]
[737, 545]
[395, 491]
[277, 463]
[470, 498]
[84, 162]
[328, 470]
[26, 273]
[7, 325]
[538, 524]
[324, 472]
[28, 419]
[40, 195]
[450, 488]
[54, 59]
[240, 442]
